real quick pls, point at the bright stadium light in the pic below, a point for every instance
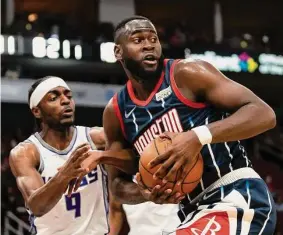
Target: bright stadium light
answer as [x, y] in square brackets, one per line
[2, 45]
[53, 47]
[39, 47]
[78, 52]
[11, 45]
[66, 49]
[107, 52]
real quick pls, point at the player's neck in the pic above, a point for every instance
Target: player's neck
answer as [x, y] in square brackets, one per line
[143, 89]
[58, 139]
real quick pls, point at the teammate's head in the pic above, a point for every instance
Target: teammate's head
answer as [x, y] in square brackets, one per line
[50, 100]
[138, 48]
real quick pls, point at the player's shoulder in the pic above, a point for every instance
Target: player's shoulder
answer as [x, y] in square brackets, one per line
[110, 107]
[97, 136]
[192, 66]
[25, 151]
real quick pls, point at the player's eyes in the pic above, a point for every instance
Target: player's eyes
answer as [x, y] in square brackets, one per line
[153, 40]
[137, 40]
[53, 98]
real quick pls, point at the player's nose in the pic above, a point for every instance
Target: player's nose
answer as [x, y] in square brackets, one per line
[148, 45]
[65, 100]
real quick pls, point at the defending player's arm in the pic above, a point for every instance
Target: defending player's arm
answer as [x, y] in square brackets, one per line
[200, 81]
[40, 198]
[121, 159]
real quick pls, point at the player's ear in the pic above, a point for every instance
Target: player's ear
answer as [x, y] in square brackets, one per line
[36, 112]
[118, 51]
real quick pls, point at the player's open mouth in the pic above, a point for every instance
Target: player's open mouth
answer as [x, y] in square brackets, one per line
[68, 112]
[150, 59]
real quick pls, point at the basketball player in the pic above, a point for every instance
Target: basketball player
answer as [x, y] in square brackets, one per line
[60, 144]
[211, 113]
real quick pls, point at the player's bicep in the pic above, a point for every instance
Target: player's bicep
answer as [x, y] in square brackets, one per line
[222, 92]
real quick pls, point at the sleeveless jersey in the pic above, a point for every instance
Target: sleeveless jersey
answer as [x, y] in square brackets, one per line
[86, 211]
[166, 109]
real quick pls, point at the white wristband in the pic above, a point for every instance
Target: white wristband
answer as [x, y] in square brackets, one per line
[203, 134]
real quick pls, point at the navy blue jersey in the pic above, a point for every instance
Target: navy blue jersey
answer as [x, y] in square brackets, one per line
[166, 109]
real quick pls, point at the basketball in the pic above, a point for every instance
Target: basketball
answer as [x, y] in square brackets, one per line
[157, 147]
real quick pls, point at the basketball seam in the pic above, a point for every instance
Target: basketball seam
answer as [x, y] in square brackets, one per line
[156, 147]
[188, 173]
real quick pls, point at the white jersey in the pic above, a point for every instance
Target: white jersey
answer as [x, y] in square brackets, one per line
[86, 211]
[150, 218]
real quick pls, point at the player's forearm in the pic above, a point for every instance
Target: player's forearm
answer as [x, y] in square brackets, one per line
[126, 192]
[117, 220]
[248, 121]
[46, 197]
[123, 160]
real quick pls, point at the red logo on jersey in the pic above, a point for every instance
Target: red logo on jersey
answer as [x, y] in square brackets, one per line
[170, 121]
[211, 224]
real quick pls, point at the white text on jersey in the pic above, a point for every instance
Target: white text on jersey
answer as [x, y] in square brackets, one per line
[170, 121]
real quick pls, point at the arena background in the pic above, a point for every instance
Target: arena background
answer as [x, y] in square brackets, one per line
[74, 39]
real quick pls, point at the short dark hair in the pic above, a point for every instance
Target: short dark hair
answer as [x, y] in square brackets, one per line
[122, 24]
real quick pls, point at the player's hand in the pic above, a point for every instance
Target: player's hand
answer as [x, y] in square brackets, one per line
[89, 163]
[179, 156]
[158, 195]
[72, 167]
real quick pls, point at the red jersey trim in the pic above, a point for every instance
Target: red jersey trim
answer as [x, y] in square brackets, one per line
[157, 86]
[179, 95]
[118, 113]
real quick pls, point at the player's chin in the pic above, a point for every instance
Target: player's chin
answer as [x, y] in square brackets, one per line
[67, 121]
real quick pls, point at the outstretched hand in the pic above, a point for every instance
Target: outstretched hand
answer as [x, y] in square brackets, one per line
[183, 151]
[89, 163]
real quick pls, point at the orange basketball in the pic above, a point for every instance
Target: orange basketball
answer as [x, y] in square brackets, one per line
[154, 149]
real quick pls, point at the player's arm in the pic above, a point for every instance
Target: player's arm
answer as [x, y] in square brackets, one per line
[122, 159]
[40, 198]
[250, 115]
[120, 183]
[200, 81]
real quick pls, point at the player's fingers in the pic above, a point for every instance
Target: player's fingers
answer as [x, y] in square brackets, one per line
[78, 182]
[163, 198]
[173, 171]
[80, 171]
[154, 194]
[159, 159]
[83, 156]
[164, 168]
[71, 186]
[79, 152]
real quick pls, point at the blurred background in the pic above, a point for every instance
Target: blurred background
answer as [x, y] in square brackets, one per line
[73, 39]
